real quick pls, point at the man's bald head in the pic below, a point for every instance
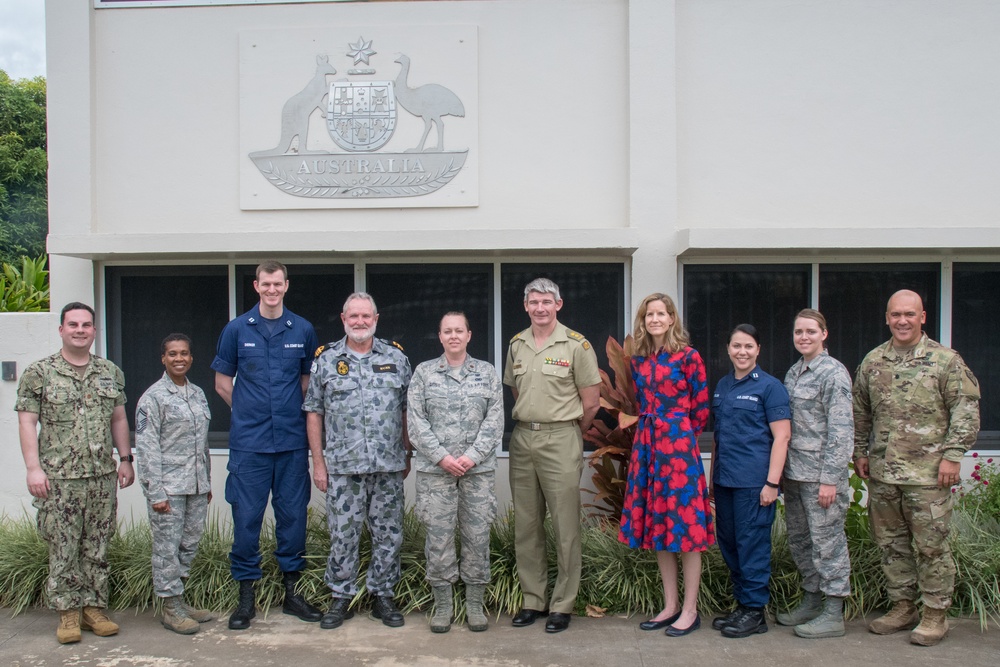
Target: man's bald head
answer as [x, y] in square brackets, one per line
[904, 315]
[905, 294]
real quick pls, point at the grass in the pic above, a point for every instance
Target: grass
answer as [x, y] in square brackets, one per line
[615, 578]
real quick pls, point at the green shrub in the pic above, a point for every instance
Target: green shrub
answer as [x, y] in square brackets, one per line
[25, 289]
[616, 579]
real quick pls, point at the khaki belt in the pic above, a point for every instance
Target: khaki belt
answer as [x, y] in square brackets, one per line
[546, 426]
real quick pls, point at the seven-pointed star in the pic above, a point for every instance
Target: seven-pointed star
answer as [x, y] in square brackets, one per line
[361, 51]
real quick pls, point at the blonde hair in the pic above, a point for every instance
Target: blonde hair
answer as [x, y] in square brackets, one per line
[677, 337]
[812, 314]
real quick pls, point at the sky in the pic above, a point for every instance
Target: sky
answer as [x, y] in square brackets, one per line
[22, 38]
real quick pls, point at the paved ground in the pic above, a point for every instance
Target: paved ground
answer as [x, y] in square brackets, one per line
[29, 640]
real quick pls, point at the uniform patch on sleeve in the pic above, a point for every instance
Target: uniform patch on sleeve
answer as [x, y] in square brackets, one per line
[141, 420]
[846, 391]
[972, 378]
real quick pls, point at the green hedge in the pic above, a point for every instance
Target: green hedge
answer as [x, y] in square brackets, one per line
[616, 579]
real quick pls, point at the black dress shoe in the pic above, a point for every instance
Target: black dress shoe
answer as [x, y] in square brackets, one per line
[557, 622]
[750, 622]
[385, 609]
[723, 621]
[659, 625]
[526, 617]
[336, 614]
[677, 632]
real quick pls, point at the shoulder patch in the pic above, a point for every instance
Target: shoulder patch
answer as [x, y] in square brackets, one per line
[397, 346]
[319, 350]
[575, 335]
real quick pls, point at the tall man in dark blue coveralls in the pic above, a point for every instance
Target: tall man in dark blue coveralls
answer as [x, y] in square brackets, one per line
[269, 350]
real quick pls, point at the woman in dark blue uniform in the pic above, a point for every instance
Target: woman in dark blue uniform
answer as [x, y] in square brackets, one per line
[752, 430]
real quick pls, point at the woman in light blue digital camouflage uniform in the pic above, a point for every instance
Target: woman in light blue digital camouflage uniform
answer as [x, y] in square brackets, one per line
[455, 424]
[816, 475]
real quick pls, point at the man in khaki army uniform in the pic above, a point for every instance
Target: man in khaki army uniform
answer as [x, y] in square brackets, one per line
[552, 372]
[916, 412]
[78, 400]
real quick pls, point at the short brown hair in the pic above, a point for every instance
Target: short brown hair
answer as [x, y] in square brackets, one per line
[271, 266]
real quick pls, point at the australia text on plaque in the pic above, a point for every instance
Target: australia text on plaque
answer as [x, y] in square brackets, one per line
[361, 118]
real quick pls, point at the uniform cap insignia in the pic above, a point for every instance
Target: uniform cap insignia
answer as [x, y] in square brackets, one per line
[342, 368]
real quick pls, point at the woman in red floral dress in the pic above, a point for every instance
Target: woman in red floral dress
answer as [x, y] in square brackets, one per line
[666, 502]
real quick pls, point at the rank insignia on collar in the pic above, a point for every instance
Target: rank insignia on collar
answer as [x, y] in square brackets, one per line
[342, 368]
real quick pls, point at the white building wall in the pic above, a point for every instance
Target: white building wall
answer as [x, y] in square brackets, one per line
[639, 129]
[850, 115]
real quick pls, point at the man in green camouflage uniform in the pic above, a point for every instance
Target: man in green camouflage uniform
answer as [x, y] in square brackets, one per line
[71, 419]
[916, 413]
[552, 372]
[357, 394]
[175, 473]
[455, 422]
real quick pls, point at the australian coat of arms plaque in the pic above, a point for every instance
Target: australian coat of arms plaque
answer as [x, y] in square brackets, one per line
[384, 138]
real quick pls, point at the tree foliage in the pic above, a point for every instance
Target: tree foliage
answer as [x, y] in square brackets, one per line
[23, 166]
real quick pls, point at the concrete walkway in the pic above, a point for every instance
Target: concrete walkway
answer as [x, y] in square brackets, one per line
[279, 640]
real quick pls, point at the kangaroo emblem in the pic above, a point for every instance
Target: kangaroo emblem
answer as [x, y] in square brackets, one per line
[297, 110]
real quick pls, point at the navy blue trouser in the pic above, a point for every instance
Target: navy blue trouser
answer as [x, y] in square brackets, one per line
[743, 531]
[252, 477]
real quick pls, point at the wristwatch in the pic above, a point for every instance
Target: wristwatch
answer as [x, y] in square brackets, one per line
[127, 459]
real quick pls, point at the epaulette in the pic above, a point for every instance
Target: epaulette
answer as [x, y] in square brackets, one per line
[319, 351]
[515, 336]
[397, 345]
[578, 337]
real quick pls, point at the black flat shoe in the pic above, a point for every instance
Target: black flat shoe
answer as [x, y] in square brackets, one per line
[526, 617]
[557, 622]
[659, 625]
[677, 632]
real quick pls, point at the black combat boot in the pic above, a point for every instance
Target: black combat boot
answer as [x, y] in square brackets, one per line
[295, 604]
[245, 610]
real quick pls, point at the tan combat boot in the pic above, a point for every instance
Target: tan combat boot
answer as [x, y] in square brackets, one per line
[97, 621]
[902, 616]
[932, 629]
[68, 631]
[200, 615]
[175, 617]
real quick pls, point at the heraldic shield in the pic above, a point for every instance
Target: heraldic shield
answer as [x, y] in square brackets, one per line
[361, 115]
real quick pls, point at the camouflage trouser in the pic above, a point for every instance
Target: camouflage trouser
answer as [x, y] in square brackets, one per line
[78, 520]
[350, 501]
[817, 539]
[469, 501]
[911, 524]
[175, 541]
